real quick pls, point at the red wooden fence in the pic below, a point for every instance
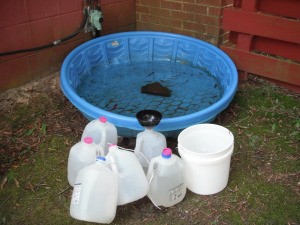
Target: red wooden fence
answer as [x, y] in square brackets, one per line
[266, 34]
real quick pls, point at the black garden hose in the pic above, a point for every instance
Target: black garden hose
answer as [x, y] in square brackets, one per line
[55, 43]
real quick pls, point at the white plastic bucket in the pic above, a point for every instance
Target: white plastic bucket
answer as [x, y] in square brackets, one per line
[206, 151]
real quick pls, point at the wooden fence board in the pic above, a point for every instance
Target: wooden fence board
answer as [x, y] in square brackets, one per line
[261, 25]
[273, 68]
[275, 47]
[263, 32]
[287, 8]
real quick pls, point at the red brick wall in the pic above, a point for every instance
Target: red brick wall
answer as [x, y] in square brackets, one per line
[197, 18]
[31, 23]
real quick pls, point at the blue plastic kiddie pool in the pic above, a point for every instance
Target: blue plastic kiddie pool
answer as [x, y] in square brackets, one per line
[104, 77]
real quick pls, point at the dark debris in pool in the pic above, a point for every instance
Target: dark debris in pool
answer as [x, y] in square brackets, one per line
[156, 88]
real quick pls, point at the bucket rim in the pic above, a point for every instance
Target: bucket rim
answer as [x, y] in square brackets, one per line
[206, 125]
[205, 161]
[206, 155]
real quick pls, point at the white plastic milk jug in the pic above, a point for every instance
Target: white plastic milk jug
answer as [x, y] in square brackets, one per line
[166, 180]
[82, 155]
[95, 193]
[149, 144]
[102, 132]
[133, 184]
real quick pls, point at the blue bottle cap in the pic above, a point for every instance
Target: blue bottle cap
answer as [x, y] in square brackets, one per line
[100, 158]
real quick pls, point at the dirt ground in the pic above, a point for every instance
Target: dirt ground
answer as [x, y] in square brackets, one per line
[39, 125]
[28, 103]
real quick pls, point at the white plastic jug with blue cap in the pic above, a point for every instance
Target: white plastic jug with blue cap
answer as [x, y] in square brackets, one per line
[95, 193]
[102, 131]
[149, 143]
[81, 155]
[166, 180]
[133, 184]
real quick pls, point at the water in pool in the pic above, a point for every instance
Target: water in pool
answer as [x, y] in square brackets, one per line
[117, 88]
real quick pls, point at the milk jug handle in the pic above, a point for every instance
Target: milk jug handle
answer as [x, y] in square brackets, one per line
[114, 167]
[138, 146]
[153, 170]
[100, 151]
[103, 137]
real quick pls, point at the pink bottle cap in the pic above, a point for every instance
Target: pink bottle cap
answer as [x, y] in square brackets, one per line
[166, 153]
[88, 140]
[102, 119]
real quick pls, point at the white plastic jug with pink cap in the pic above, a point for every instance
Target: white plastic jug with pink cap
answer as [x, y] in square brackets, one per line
[133, 184]
[95, 193]
[81, 155]
[102, 131]
[166, 180]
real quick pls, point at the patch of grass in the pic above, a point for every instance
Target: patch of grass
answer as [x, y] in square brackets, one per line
[257, 201]
[22, 116]
[270, 204]
[41, 180]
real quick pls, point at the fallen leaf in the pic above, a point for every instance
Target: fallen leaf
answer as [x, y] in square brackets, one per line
[240, 206]
[4, 181]
[29, 186]
[17, 183]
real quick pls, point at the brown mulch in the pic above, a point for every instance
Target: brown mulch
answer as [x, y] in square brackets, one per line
[29, 113]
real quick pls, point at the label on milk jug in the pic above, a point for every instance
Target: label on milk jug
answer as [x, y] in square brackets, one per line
[76, 194]
[176, 192]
